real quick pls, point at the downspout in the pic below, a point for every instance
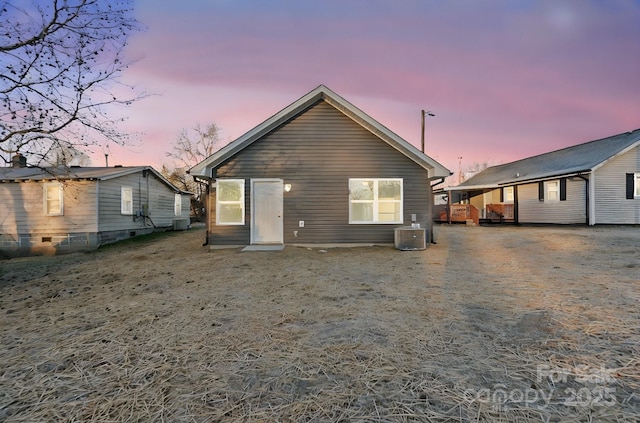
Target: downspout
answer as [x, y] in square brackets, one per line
[207, 212]
[207, 184]
[586, 196]
[516, 208]
[449, 208]
[97, 222]
[148, 202]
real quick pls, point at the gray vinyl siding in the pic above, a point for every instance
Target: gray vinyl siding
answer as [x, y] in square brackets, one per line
[147, 190]
[571, 211]
[110, 213]
[22, 208]
[317, 153]
[91, 213]
[185, 211]
[231, 234]
[611, 205]
[26, 229]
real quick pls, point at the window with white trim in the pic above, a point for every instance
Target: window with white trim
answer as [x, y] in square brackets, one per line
[53, 199]
[552, 190]
[230, 202]
[507, 194]
[636, 185]
[177, 205]
[375, 201]
[126, 200]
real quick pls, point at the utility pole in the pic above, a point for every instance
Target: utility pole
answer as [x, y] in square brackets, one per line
[424, 113]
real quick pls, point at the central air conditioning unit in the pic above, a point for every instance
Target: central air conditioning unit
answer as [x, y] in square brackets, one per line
[409, 238]
[180, 224]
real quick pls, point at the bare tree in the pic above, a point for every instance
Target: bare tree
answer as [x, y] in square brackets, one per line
[64, 156]
[190, 148]
[195, 144]
[60, 63]
[473, 169]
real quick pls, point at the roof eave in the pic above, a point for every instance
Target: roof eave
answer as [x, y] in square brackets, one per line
[536, 178]
[471, 187]
[547, 177]
[123, 172]
[623, 151]
[256, 133]
[434, 169]
[134, 169]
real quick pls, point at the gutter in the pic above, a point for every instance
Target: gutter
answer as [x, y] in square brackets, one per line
[545, 178]
[441, 181]
[517, 182]
[431, 234]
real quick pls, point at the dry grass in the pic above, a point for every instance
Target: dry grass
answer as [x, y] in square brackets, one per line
[492, 324]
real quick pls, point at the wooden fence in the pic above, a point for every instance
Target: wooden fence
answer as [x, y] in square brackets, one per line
[502, 212]
[458, 213]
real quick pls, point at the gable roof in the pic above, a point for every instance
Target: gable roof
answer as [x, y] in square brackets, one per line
[581, 158]
[321, 93]
[23, 174]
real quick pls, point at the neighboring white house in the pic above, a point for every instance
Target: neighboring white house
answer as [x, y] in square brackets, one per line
[597, 182]
[55, 210]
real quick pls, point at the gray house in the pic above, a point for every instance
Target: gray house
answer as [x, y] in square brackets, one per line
[596, 182]
[56, 210]
[320, 171]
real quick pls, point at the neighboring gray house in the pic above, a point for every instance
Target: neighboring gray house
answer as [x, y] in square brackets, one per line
[597, 182]
[55, 210]
[318, 172]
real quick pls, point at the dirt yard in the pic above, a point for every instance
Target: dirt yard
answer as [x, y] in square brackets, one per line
[491, 324]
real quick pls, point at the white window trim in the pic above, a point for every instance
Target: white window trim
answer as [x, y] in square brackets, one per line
[376, 201]
[549, 184]
[636, 185]
[241, 202]
[60, 198]
[177, 204]
[126, 208]
[508, 194]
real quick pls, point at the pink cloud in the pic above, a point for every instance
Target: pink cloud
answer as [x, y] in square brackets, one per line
[505, 80]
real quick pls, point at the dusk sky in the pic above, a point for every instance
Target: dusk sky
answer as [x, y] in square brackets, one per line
[505, 79]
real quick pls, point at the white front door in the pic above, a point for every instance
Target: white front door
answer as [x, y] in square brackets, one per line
[266, 211]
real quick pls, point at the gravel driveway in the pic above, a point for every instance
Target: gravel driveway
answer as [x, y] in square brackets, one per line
[492, 323]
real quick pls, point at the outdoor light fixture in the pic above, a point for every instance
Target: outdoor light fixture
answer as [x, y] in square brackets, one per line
[287, 187]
